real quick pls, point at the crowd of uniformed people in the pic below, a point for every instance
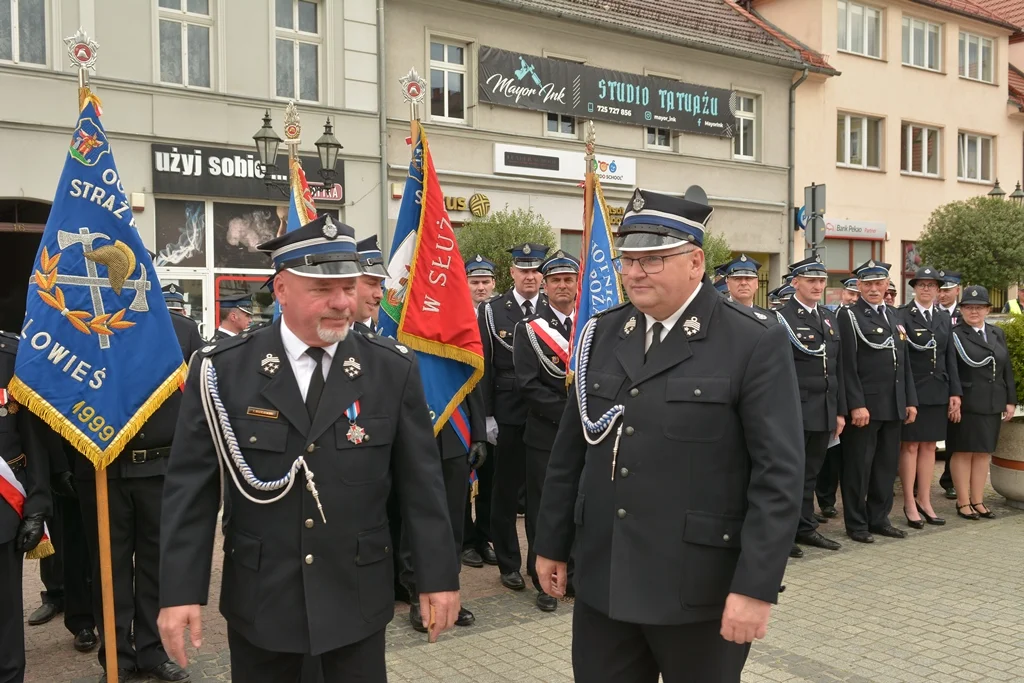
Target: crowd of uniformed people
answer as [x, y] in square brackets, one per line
[664, 485]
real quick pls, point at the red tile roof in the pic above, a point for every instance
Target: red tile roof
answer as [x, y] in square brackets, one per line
[976, 9]
[806, 53]
[1016, 86]
[1011, 10]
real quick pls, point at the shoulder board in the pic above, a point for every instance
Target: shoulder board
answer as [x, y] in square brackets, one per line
[9, 343]
[214, 348]
[763, 318]
[388, 343]
[606, 311]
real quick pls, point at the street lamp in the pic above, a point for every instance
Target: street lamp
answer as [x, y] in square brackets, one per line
[327, 148]
[1017, 196]
[997, 192]
[268, 142]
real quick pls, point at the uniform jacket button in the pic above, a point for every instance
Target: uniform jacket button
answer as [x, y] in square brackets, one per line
[309, 524]
[621, 513]
[634, 392]
[696, 392]
[629, 431]
[309, 559]
[252, 439]
[725, 537]
[310, 448]
[624, 472]
[597, 385]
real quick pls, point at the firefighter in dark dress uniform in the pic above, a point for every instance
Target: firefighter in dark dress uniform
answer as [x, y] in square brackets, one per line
[24, 451]
[880, 396]
[814, 334]
[135, 483]
[741, 279]
[235, 316]
[949, 296]
[541, 359]
[677, 468]
[311, 425]
[503, 405]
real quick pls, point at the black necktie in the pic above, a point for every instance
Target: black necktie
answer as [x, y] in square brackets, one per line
[982, 333]
[814, 313]
[316, 382]
[656, 329]
[527, 308]
[927, 315]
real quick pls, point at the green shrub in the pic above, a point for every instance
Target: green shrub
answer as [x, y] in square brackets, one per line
[498, 232]
[1014, 329]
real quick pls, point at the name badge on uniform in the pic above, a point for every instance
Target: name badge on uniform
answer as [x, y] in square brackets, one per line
[262, 412]
[356, 434]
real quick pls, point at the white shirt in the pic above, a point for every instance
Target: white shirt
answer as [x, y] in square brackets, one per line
[669, 322]
[981, 331]
[922, 309]
[520, 299]
[562, 316]
[227, 332]
[880, 308]
[950, 309]
[809, 309]
[368, 322]
[301, 363]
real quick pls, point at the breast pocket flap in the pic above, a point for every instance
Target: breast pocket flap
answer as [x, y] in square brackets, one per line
[604, 385]
[708, 528]
[373, 546]
[261, 434]
[243, 549]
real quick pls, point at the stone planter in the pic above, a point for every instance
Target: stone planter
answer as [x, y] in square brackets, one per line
[1008, 463]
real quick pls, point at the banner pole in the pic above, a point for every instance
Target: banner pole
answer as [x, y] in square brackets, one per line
[106, 574]
[588, 193]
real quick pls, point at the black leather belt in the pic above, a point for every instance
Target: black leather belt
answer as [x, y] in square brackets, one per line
[18, 463]
[145, 455]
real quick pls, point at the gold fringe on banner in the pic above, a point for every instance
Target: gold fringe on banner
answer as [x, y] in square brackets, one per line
[41, 551]
[100, 458]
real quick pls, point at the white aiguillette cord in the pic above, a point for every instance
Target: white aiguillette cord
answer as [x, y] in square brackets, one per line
[226, 444]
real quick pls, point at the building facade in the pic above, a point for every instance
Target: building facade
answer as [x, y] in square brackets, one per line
[925, 113]
[512, 82]
[185, 84]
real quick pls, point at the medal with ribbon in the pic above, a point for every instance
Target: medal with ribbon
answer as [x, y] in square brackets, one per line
[356, 434]
[8, 406]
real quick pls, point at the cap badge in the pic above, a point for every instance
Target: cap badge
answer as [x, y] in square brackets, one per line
[352, 368]
[479, 258]
[638, 202]
[270, 364]
[942, 273]
[974, 292]
[330, 230]
[630, 325]
[927, 271]
[526, 249]
[743, 258]
[691, 326]
[871, 263]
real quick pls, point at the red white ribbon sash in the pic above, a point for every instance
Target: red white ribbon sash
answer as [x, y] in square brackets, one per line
[551, 337]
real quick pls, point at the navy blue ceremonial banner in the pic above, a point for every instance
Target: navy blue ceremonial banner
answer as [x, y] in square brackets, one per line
[98, 353]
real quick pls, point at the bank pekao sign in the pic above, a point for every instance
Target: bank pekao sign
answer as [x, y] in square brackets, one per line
[513, 79]
[219, 172]
[855, 230]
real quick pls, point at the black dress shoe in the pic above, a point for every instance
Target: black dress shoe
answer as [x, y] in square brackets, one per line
[951, 493]
[168, 671]
[86, 640]
[861, 536]
[416, 619]
[913, 523]
[488, 555]
[513, 580]
[987, 514]
[44, 613]
[934, 521]
[123, 676]
[546, 603]
[471, 558]
[466, 617]
[821, 519]
[830, 511]
[888, 530]
[817, 540]
[795, 551]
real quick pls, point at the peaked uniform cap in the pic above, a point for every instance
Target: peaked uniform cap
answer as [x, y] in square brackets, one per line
[975, 295]
[560, 262]
[850, 284]
[371, 258]
[660, 221]
[480, 266]
[742, 266]
[323, 248]
[950, 279]
[926, 273]
[528, 256]
[242, 302]
[872, 270]
[809, 267]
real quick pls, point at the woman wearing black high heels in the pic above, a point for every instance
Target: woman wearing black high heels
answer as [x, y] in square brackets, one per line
[933, 362]
[990, 397]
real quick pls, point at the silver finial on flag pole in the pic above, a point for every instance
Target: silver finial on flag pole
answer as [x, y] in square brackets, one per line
[82, 52]
[413, 89]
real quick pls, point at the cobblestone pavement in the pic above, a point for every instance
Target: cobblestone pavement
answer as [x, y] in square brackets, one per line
[943, 606]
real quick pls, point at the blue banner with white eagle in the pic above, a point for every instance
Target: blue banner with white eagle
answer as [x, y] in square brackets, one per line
[98, 353]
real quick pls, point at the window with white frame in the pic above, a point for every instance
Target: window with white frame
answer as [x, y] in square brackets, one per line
[976, 57]
[297, 41]
[974, 157]
[919, 150]
[23, 31]
[922, 44]
[448, 81]
[859, 141]
[744, 141]
[659, 138]
[561, 125]
[185, 28]
[859, 29]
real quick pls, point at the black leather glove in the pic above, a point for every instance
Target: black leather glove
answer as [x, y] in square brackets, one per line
[477, 454]
[30, 532]
[63, 484]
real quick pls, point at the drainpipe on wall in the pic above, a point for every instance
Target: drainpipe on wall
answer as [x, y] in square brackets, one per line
[792, 158]
[383, 119]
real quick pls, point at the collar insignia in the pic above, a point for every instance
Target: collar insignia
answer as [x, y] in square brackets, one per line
[352, 368]
[270, 365]
[630, 325]
[691, 326]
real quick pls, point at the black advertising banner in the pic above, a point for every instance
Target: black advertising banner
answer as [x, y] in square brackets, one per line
[216, 172]
[512, 79]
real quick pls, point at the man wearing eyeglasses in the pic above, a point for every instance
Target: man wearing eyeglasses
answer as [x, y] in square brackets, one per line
[678, 466]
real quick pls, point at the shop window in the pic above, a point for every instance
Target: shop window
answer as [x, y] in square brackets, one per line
[922, 44]
[571, 242]
[23, 31]
[297, 45]
[230, 285]
[560, 125]
[842, 256]
[185, 30]
[239, 228]
[180, 233]
[859, 29]
[976, 57]
[744, 142]
[447, 81]
[859, 141]
[974, 157]
[919, 150]
[192, 290]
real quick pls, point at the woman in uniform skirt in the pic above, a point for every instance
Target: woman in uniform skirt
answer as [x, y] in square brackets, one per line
[933, 362]
[990, 396]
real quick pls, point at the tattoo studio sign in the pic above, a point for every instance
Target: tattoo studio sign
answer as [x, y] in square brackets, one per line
[512, 79]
